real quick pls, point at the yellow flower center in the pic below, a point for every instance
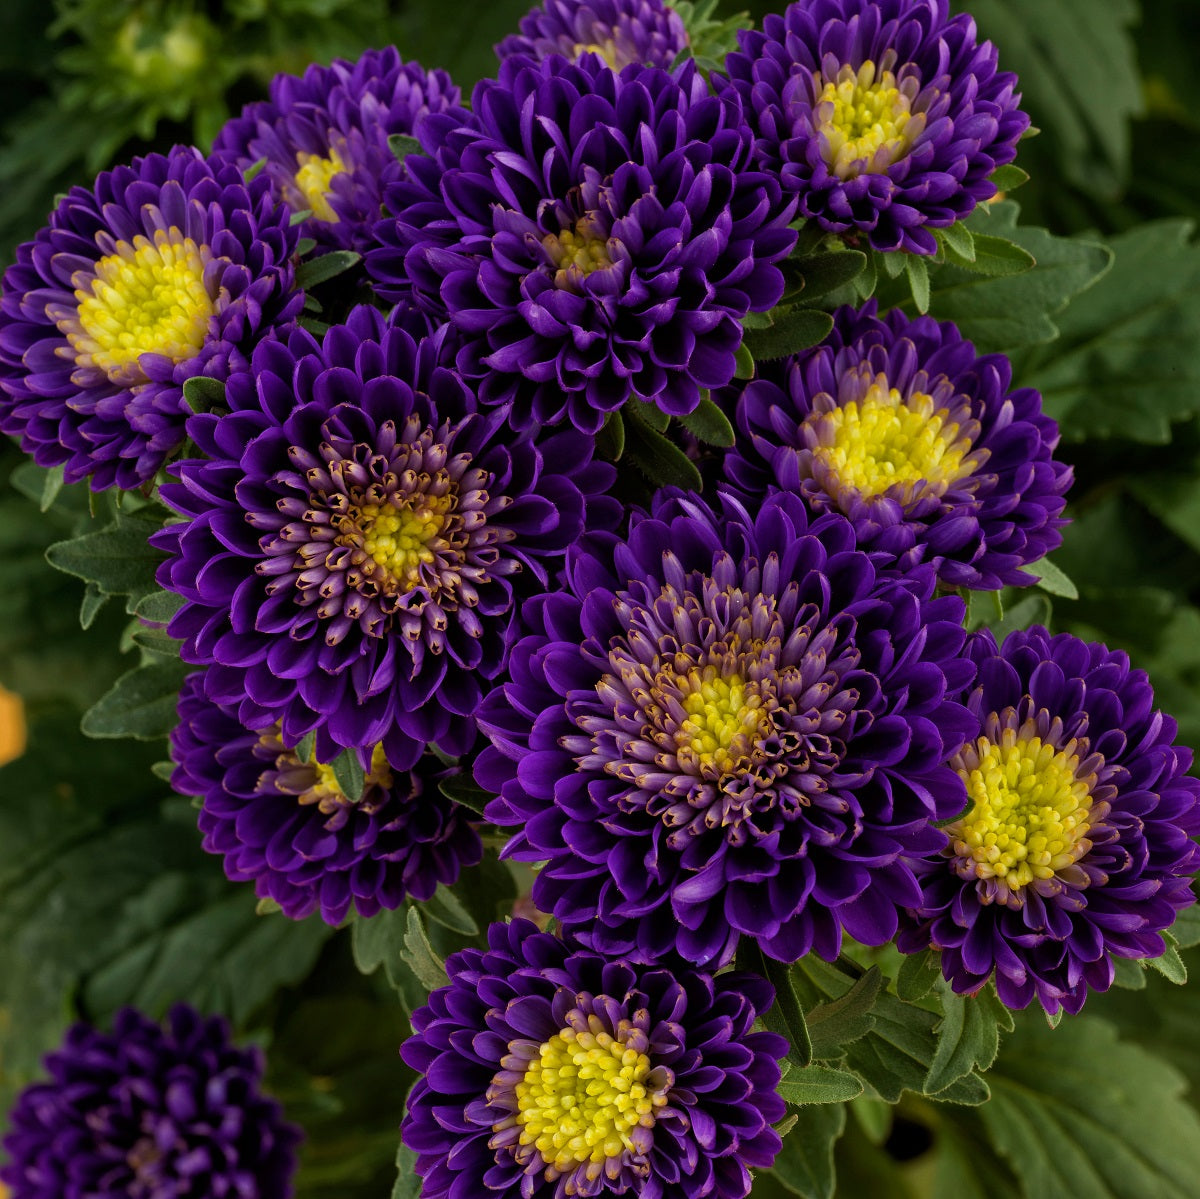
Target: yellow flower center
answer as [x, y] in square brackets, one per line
[1031, 812]
[146, 298]
[313, 181]
[12, 734]
[607, 50]
[725, 717]
[399, 538]
[576, 252]
[890, 444]
[582, 1096]
[865, 120]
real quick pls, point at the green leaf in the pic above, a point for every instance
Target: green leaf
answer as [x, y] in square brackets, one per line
[958, 241]
[647, 412]
[351, 777]
[743, 363]
[403, 144]
[919, 974]
[327, 266]
[1169, 964]
[834, 1024]
[1079, 78]
[1008, 178]
[819, 1084]
[141, 703]
[89, 607]
[795, 329]
[447, 909]
[1006, 314]
[785, 1016]
[805, 1163]
[968, 1036]
[419, 955]
[709, 424]
[1081, 1115]
[118, 559]
[897, 1052]
[463, 789]
[252, 171]
[305, 746]
[827, 271]
[305, 246]
[660, 460]
[918, 281]
[408, 1185]
[998, 257]
[1124, 366]
[1186, 929]
[1053, 579]
[202, 394]
[1033, 609]
[610, 441]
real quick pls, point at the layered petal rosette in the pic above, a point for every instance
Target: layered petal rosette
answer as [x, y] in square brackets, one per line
[901, 426]
[729, 726]
[593, 237]
[1077, 847]
[619, 31]
[884, 117]
[549, 1071]
[166, 269]
[150, 1112]
[288, 826]
[352, 549]
[324, 136]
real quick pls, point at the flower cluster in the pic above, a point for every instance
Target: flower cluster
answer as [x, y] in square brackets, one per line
[436, 542]
[899, 425]
[884, 117]
[1077, 846]
[150, 1111]
[548, 1071]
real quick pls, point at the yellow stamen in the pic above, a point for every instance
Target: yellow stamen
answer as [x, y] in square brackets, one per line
[576, 252]
[313, 181]
[12, 732]
[146, 298]
[724, 719]
[399, 538]
[889, 443]
[607, 50]
[582, 1096]
[865, 120]
[328, 790]
[1031, 811]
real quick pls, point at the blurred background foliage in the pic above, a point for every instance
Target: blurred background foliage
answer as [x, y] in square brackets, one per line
[87, 83]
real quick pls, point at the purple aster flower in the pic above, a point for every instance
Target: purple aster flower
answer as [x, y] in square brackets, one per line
[150, 1113]
[885, 117]
[730, 725]
[899, 425]
[352, 549]
[166, 269]
[594, 237]
[550, 1071]
[288, 825]
[1076, 849]
[619, 31]
[324, 136]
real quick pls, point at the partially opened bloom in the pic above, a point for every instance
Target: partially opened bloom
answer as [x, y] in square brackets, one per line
[165, 269]
[324, 136]
[884, 117]
[619, 31]
[900, 425]
[1076, 849]
[288, 826]
[151, 1112]
[549, 1071]
[353, 546]
[593, 237]
[730, 726]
